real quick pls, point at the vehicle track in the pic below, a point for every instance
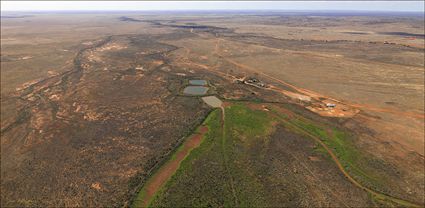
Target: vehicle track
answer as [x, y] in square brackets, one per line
[226, 164]
[345, 173]
[317, 95]
[160, 178]
[338, 197]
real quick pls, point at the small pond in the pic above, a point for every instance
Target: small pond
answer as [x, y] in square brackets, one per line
[212, 101]
[195, 90]
[199, 82]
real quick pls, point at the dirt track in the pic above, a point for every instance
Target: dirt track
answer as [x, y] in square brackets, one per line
[316, 94]
[161, 177]
[348, 176]
[223, 143]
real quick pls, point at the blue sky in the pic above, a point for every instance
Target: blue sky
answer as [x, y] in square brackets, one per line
[416, 6]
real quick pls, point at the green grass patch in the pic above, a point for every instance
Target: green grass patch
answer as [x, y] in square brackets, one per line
[247, 122]
[340, 142]
[233, 168]
[206, 175]
[198, 182]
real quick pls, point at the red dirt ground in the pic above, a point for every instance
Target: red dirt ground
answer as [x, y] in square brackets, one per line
[166, 171]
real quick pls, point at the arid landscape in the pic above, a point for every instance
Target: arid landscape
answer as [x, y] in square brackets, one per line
[218, 109]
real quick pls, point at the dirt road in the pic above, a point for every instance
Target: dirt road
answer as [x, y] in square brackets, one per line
[158, 180]
[313, 94]
[316, 96]
[225, 158]
[347, 175]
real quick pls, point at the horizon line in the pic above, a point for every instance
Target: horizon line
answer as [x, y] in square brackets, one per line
[166, 10]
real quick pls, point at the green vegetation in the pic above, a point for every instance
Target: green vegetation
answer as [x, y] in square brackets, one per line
[207, 177]
[234, 165]
[201, 178]
[244, 129]
[246, 122]
[138, 202]
[360, 165]
[339, 142]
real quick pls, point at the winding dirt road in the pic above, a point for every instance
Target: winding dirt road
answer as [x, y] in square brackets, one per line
[346, 174]
[317, 96]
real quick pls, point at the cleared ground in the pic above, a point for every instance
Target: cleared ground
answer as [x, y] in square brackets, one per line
[92, 106]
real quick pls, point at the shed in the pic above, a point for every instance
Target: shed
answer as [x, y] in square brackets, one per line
[330, 105]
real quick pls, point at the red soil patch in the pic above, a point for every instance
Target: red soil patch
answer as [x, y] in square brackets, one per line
[166, 171]
[254, 106]
[283, 111]
[226, 104]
